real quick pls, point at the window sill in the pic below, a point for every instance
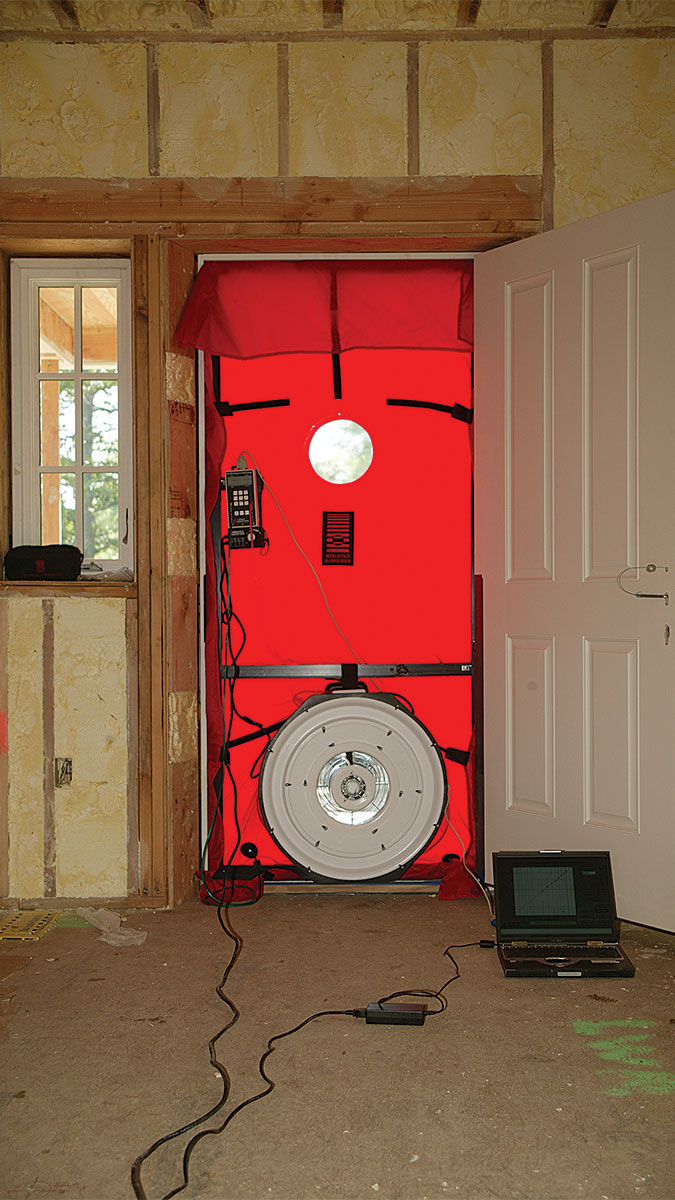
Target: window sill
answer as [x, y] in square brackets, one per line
[70, 587]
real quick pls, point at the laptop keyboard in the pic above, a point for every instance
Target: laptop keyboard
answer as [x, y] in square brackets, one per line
[549, 951]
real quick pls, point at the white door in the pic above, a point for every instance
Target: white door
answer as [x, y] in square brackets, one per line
[575, 480]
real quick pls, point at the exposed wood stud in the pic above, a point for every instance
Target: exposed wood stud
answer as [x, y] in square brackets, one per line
[467, 13]
[413, 100]
[49, 829]
[200, 13]
[133, 840]
[602, 13]
[332, 13]
[153, 109]
[5, 471]
[548, 146]
[4, 760]
[458, 34]
[155, 501]
[65, 12]
[283, 109]
[142, 559]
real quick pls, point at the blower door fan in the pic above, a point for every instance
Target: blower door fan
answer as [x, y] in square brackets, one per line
[352, 787]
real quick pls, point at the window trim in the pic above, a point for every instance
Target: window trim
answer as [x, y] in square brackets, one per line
[27, 275]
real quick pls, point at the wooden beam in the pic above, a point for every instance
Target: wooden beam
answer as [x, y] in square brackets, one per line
[5, 424]
[156, 504]
[548, 142]
[152, 81]
[480, 203]
[56, 332]
[283, 109]
[332, 12]
[602, 13]
[4, 758]
[413, 102]
[467, 13]
[65, 12]
[142, 561]
[256, 36]
[200, 13]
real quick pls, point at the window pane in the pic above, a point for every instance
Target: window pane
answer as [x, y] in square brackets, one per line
[57, 422]
[100, 423]
[101, 515]
[99, 329]
[58, 509]
[341, 451]
[57, 323]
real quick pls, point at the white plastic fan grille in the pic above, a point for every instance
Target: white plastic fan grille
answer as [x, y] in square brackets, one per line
[352, 787]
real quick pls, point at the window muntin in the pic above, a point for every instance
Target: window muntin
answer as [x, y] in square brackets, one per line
[71, 398]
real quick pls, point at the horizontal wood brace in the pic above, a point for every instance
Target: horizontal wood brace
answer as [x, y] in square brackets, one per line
[165, 202]
[462, 34]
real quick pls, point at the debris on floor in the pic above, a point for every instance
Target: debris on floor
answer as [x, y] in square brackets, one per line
[111, 924]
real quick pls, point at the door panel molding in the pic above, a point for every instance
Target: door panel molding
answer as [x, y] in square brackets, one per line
[611, 754]
[529, 424]
[530, 725]
[609, 403]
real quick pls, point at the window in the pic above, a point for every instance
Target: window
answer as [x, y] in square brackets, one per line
[71, 408]
[341, 451]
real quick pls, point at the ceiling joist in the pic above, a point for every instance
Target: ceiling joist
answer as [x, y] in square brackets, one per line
[602, 13]
[200, 13]
[332, 13]
[467, 13]
[65, 12]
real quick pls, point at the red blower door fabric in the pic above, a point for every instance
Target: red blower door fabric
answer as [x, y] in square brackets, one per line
[403, 329]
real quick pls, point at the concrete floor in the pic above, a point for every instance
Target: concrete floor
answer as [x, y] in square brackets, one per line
[531, 1089]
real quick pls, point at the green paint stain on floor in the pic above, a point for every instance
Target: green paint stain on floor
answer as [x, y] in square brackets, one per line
[70, 920]
[593, 1028]
[654, 1083]
[645, 1073]
[630, 1050]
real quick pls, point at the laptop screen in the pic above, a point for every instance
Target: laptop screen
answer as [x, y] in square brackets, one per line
[553, 895]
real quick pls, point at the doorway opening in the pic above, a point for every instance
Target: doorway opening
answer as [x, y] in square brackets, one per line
[356, 581]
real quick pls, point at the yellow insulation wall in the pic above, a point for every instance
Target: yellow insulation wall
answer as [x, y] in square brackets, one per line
[66, 698]
[279, 90]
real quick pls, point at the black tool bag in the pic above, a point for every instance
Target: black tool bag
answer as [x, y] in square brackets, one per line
[43, 563]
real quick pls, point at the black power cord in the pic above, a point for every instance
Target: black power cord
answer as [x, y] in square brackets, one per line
[227, 615]
[382, 1011]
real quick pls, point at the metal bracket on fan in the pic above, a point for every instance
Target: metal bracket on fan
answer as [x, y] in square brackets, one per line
[336, 670]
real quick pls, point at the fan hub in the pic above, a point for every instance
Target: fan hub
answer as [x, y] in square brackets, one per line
[352, 787]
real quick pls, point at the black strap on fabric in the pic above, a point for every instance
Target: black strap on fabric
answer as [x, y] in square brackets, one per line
[337, 377]
[251, 737]
[224, 407]
[458, 756]
[336, 346]
[458, 411]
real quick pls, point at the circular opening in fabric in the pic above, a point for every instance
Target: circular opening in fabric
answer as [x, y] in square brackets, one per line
[341, 451]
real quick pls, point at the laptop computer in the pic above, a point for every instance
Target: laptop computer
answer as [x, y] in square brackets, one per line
[556, 916]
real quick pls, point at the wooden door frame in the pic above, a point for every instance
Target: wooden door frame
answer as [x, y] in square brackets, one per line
[162, 223]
